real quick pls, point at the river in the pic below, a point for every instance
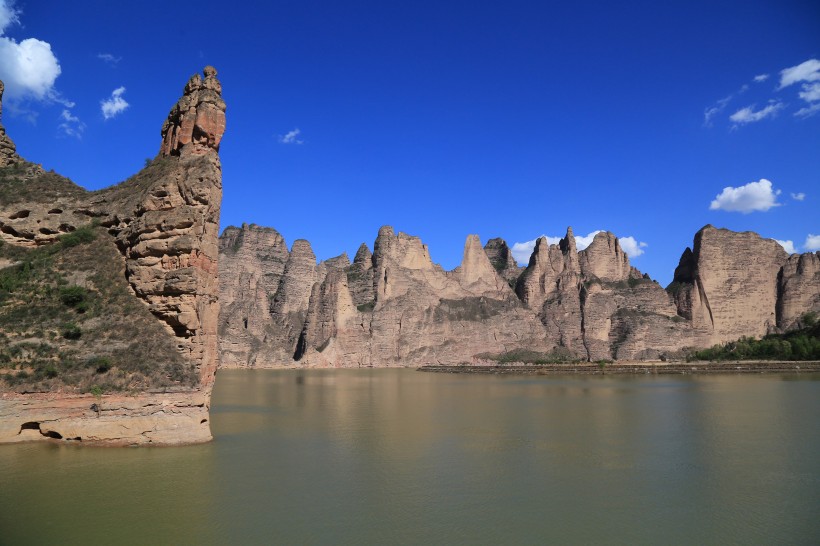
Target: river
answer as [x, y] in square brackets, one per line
[403, 457]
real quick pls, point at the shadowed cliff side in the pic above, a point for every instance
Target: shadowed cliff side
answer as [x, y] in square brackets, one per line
[161, 227]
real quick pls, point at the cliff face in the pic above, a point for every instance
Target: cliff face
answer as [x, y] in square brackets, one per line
[727, 285]
[164, 223]
[395, 307]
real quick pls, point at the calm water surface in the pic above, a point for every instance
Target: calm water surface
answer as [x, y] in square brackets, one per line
[402, 457]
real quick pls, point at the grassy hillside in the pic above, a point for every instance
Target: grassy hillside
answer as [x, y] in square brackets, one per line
[69, 321]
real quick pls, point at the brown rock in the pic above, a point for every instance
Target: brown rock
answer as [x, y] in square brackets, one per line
[727, 285]
[165, 223]
[502, 259]
[198, 118]
[798, 289]
[8, 151]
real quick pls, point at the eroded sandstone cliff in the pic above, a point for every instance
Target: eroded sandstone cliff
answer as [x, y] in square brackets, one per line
[163, 223]
[395, 307]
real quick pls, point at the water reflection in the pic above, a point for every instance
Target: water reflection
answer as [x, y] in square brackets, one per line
[396, 456]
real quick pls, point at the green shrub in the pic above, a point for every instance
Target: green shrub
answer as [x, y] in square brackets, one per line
[73, 296]
[79, 236]
[72, 331]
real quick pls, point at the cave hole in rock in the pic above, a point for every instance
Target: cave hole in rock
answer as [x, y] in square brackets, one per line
[31, 425]
[20, 214]
[52, 434]
[55, 211]
[203, 421]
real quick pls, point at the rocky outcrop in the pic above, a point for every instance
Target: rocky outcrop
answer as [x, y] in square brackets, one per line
[798, 287]
[502, 259]
[164, 221]
[8, 151]
[727, 284]
[198, 118]
[251, 264]
[397, 308]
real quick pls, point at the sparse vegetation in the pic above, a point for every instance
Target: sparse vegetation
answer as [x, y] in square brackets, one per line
[366, 307]
[524, 356]
[69, 320]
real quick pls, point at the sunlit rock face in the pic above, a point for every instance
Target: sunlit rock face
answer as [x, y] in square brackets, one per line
[165, 222]
[395, 307]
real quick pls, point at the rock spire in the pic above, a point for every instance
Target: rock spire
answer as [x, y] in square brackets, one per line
[198, 118]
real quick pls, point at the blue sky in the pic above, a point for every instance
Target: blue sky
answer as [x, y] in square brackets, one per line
[513, 119]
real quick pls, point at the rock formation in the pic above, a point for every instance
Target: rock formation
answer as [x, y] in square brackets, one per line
[727, 284]
[164, 221]
[8, 151]
[395, 307]
[502, 259]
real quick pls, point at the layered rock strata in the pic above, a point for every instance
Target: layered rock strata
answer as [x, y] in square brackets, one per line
[164, 221]
[395, 307]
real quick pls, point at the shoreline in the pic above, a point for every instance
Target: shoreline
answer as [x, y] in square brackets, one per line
[157, 419]
[631, 368]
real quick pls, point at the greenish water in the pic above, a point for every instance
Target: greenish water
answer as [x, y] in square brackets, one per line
[402, 457]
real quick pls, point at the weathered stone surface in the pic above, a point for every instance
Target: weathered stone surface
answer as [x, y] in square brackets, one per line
[251, 263]
[165, 223]
[798, 289]
[145, 419]
[604, 259]
[727, 285]
[360, 277]
[198, 118]
[396, 308]
[8, 151]
[502, 259]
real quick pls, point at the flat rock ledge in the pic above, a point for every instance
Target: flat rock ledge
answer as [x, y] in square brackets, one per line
[642, 368]
[112, 420]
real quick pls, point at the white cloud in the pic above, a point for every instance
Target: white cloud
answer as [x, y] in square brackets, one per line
[749, 115]
[788, 246]
[115, 104]
[761, 78]
[522, 251]
[8, 15]
[798, 196]
[70, 125]
[808, 111]
[109, 58]
[632, 247]
[714, 110]
[292, 137]
[810, 92]
[808, 71]
[812, 243]
[754, 196]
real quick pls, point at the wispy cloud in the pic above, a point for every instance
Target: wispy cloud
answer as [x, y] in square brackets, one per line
[522, 251]
[715, 109]
[761, 78]
[70, 125]
[115, 104]
[754, 196]
[798, 196]
[807, 71]
[292, 137]
[750, 115]
[109, 59]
